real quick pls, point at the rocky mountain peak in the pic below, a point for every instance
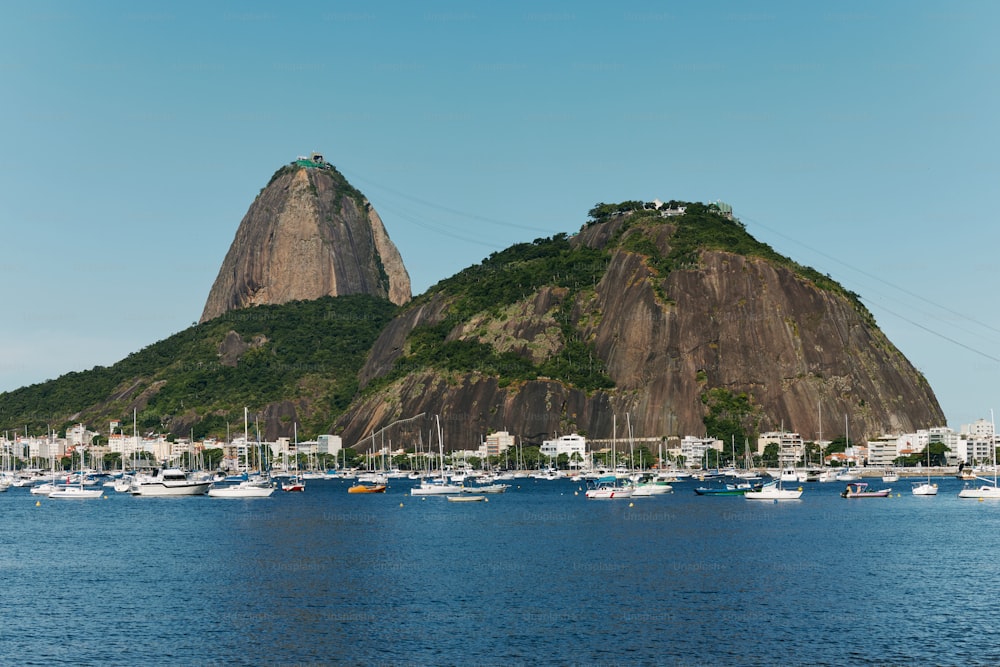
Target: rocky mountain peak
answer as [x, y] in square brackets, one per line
[308, 234]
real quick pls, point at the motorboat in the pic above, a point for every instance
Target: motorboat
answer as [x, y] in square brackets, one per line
[296, 485]
[252, 488]
[76, 492]
[168, 482]
[607, 487]
[862, 490]
[486, 488]
[773, 491]
[726, 489]
[651, 488]
[435, 487]
[465, 499]
[367, 488]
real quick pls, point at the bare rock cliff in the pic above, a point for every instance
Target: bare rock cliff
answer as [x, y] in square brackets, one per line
[308, 234]
[724, 320]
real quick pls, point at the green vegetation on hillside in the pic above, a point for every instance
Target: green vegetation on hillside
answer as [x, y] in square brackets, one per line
[305, 350]
[703, 227]
[502, 279]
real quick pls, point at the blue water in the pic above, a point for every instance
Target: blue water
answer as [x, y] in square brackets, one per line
[538, 575]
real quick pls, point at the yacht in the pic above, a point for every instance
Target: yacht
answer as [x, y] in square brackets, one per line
[168, 482]
[257, 487]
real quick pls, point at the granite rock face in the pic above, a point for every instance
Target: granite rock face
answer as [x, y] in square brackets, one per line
[308, 234]
[801, 351]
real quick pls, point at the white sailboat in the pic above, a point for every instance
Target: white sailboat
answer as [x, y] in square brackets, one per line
[926, 488]
[990, 489]
[255, 487]
[74, 491]
[437, 486]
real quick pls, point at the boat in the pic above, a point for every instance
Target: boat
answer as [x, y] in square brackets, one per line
[437, 486]
[810, 475]
[926, 488]
[989, 488]
[367, 488]
[253, 488]
[77, 491]
[296, 485]
[890, 476]
[465, 499]
[168, 482]
[651, 487]
[486, 488]
[724, 490]
[861, 490]
[608, 487]
[788, 475]
[847, 475]
[773, 491]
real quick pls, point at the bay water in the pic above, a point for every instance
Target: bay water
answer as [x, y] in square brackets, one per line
[538, 575]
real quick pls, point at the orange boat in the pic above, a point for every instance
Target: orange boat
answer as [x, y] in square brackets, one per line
[367, 488]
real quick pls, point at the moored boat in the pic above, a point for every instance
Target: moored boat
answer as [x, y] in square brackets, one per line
[253, 488]
[367, 488]
[608, 487]
[773, 491]
[76, 493]
[466, 499]
[168, 482]
[862, 490]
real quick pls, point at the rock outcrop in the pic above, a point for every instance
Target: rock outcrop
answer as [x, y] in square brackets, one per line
[799, 348]
[308, 234]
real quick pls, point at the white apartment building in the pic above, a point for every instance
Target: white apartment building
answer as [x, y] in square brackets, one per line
[329, 444]
[567, 444]
[974, 451]
[693, 449]
[980, 429]
[883, 451]
[791, 447]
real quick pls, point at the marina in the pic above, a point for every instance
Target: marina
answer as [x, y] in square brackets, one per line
[328, 577]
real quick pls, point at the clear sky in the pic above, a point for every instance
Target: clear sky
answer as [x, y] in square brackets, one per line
[859, 138]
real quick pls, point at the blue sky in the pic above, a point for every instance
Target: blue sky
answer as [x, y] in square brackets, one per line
[859, 138]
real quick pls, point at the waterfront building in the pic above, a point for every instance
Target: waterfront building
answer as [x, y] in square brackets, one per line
[884, 450]
[979, 430]
[496, 443]
[567, 444]
[693, 448]
[791, 447]
[329, 444]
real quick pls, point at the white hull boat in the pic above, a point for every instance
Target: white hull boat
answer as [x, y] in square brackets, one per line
[169, 482]
[435, 489]
[773, 492]
[250, 489]
[984, 491]
[76, 493]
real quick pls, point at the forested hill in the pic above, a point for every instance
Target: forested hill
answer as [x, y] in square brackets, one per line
[294, 361]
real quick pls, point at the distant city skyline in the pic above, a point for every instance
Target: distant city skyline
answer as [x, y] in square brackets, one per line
[857, 139]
